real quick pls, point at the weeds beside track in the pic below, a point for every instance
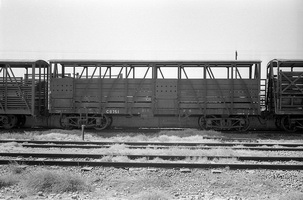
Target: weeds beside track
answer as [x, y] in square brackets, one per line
[151, 160]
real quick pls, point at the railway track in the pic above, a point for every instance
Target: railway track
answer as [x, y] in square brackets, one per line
[162, 147]
[168, 161]
[159, 145]
[155, 164]
[188, 144]
[149, 157]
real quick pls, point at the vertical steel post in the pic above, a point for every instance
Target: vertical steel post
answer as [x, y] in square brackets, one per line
[258, 77]
[86, 72]
[47, 88]
[63, 70]
[205, 88]
[6, 85]
[33, 89]
[232, 94]
[39, 88]
[56, 72]
[154, 82]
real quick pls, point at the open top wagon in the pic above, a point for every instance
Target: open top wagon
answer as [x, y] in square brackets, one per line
[220, 94]
[23, 91]
[285, 93]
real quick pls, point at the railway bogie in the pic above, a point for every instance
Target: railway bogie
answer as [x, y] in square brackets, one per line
[99, 122]
[235, 123]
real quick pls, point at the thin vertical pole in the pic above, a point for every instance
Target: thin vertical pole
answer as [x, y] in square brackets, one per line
[82, 131]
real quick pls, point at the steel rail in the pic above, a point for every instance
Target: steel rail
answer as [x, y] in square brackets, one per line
[230, 139]
[161, 147]
[152, 164]
[150, 157]
[155, 143]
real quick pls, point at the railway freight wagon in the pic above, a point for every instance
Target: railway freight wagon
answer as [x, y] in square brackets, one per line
[285, 93]
[23, 91]
[215, 94]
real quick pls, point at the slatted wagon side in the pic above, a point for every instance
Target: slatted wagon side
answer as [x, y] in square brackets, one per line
[223, 94]
[23, 91]
[285, 93]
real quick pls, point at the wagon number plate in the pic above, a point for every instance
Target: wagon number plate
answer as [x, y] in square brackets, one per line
[113, 111]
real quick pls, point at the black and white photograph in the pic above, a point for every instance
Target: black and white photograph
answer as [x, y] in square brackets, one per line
[151, 99]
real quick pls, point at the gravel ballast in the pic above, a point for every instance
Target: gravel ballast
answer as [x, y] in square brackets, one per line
[110, 183]
[129, 183]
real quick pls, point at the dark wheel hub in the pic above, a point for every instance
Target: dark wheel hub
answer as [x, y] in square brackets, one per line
[64, 122]
[288, 125]
[103, 122]
[10, 122]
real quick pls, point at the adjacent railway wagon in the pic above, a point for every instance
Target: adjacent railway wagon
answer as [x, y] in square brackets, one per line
[285, 93]
[23, 91]
[223, 94]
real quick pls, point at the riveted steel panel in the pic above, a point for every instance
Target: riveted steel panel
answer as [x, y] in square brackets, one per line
[62, 103]
[62, 88]
[166, 89]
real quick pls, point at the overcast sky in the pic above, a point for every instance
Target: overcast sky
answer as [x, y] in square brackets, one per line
[151, 29]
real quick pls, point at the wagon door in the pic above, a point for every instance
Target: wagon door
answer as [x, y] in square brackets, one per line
[166, 97]
[290, 92]
[61, 97]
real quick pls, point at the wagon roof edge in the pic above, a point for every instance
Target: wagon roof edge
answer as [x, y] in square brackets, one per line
[20, 61]
[153, 61]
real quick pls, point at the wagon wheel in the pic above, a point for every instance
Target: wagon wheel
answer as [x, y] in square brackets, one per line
[287, 125]
[64, 122]
[213, 125]
[10, 122]
[244, 124]
[203, 123]
[105, 122]
[3, 120]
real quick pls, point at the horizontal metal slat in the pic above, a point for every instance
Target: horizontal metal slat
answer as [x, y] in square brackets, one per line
[220, 105]
[112, 105]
